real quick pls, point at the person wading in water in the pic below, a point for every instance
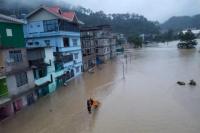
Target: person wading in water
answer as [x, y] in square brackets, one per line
[92, 103]
[89, 105]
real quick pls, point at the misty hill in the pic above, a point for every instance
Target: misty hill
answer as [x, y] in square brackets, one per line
[129, 24]
[182, 22]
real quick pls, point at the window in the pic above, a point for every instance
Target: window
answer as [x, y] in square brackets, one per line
[77, 70]
[74, 41]
[21, 79]
[50, 25]
[47, 42]
[30, 43]
[66, 26]
[88, 52]
[104, 50]
[66, 42]
[96, 43]
[9, 32]
[40, 73]
[16, 56]
[76, 56]
[36, 43]
[67, 58]
[92, 51]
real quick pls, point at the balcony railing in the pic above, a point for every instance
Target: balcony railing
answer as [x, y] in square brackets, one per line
[64, 58]
[68, 49]
[43, 80]
[58, 67]
[13, 68]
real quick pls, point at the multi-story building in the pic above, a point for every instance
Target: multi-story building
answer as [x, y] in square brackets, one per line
[102, 40]
[120, 42]
[104, 43]
[88, 48]
[16, 78]
[113, 41]
[41, 62]
[56, 32]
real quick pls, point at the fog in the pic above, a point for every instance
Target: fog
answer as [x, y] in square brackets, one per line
[155, 10]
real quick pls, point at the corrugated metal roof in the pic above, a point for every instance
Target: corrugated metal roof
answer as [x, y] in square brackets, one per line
[4, 18]
[69, 16]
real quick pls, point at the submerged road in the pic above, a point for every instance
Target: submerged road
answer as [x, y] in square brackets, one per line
[148, 100]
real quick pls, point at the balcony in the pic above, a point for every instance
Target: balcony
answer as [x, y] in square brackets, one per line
[76, 63]
[64, 58]
[43, 80]
[40, 63]
[68, 49]
[41, 75]
[12, 68]
[53, 33]
[58, 67]
[12, 61]
[35, 54]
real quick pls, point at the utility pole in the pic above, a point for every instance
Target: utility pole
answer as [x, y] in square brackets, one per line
[126, 58]
[123, 70]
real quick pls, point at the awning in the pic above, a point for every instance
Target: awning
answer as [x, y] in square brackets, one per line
[44, 84]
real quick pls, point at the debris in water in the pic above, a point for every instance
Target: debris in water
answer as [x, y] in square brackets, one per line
[180, 83]
[192, 82]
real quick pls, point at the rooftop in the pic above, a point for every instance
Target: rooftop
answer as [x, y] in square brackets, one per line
[4, 18]
[69, 16]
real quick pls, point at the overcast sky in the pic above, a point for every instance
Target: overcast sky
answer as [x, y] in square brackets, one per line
[159, 10]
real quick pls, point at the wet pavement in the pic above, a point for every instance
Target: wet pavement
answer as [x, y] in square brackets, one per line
[148, 100]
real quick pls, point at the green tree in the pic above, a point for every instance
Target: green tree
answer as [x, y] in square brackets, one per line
[187, 40]
[136, 41]
[187, 37]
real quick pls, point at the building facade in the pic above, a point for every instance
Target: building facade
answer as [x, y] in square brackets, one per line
[121, 41]
[58, 34]
[88, 49]
[104, 42]
[16, 78]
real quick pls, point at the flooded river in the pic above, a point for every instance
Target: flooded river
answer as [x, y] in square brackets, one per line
[148, 100]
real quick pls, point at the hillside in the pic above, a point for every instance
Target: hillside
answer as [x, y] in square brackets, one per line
[182, 22]
[129, 24]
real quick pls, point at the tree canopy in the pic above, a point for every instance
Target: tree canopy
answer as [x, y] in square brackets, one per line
[136, 41]
[188, 36]
[126, 23]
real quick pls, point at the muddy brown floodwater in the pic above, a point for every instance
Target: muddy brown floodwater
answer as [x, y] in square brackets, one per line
[148, 100]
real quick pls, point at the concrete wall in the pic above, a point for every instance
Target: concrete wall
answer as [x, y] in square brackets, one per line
[104, 57]
[50, 69]
[1, 60]
[12, 85]
[54, 41]
[16, 37]
[103, 50]
[8, 65]
[34, 27]
[102, 42]
[78, 62]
